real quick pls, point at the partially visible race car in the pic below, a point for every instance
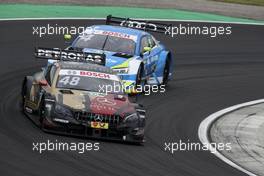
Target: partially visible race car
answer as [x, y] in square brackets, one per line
[133, 53]
[70, 98]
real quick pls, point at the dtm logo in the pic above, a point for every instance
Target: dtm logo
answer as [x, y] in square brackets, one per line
[139, 25]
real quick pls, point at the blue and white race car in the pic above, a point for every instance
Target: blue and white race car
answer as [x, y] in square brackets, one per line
[133, 53]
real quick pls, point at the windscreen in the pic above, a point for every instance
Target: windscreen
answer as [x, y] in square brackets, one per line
[89, 81]
[115, 43]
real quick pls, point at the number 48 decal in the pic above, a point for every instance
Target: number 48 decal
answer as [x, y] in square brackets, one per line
[73, 81]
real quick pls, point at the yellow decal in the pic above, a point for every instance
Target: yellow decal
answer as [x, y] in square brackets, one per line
[99, 125]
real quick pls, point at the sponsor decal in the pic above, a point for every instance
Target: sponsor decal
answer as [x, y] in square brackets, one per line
[139, 25]
[110, 33]
[102, 108]
[116, 34]
[99, 125]
[88, 74]
[95, 74]
[106, 101]
[70, 55]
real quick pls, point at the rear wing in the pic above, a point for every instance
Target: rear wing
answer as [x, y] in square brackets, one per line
[69, 55]
[138, 24]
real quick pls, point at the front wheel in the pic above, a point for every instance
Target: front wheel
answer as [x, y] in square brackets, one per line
[41, 113]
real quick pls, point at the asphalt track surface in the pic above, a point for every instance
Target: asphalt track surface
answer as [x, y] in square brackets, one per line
[209, 75]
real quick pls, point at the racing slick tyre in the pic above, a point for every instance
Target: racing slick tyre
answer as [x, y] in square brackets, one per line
[41, 114]
[23, 96]
[166, 72]
[139, 80]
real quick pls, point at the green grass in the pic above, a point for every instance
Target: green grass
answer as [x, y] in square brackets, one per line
[247, 2]
[53, 11]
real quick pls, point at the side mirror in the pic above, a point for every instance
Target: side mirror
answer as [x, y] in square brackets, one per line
[43, 82]
[67, 37]
[147, 49]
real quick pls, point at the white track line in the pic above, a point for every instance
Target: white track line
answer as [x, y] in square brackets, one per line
[151, 19]
[204, 128]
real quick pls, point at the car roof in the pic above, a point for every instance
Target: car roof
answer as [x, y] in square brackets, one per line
[84, 66]
[120, 29]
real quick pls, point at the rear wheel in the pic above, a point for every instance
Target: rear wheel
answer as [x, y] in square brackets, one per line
[139, 80]
[166, 72]
[23, 95]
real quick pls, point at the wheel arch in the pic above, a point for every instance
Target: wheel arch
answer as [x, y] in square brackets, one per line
[28, 81]
[164, 55]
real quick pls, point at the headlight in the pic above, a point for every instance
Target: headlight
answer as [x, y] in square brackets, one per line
[133, 118]
[62, 111]
[121, 70]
